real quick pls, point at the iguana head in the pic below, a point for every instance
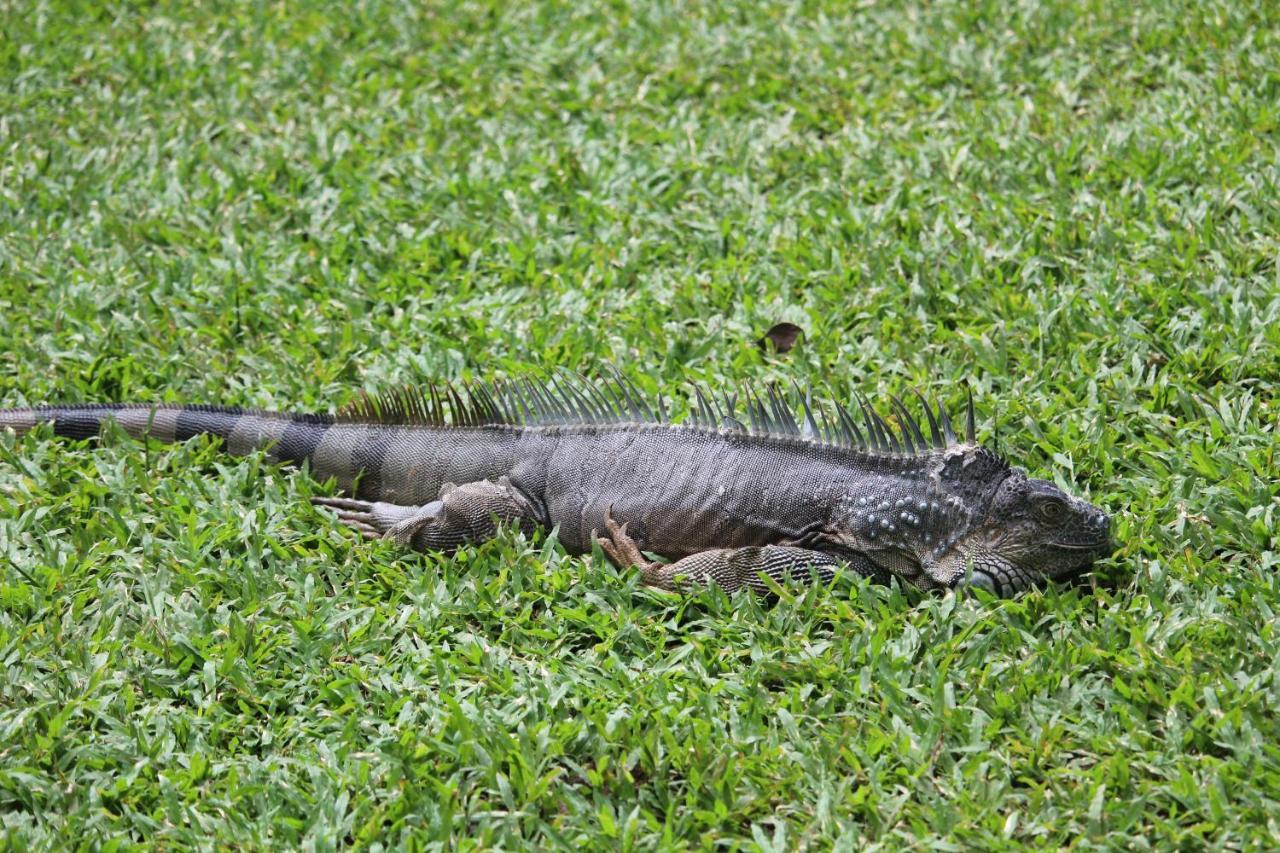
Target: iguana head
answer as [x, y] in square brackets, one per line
[965, 517]
[1012, 531]
[1030, 531]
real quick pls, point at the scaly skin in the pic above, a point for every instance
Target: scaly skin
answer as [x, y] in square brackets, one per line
[727, 504]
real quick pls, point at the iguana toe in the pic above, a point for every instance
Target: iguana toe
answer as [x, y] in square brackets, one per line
[381, 520]
[621, 549]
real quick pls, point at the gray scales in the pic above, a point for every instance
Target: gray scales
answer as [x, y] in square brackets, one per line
[741, 499]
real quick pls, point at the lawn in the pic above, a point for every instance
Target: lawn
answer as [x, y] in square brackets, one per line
[1070, 205]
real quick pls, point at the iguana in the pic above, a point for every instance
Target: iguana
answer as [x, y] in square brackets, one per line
[728, 499]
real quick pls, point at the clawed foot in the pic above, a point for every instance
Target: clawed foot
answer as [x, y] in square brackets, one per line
[620, 548]
[358, 515]
[378, 520]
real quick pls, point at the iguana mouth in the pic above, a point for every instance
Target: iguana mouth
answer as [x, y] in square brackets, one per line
[1081, 546]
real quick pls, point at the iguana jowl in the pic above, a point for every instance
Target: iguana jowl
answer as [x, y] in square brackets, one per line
[726, 500]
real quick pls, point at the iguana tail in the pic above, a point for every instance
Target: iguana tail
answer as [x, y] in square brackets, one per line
[287, 437]
[400, 463]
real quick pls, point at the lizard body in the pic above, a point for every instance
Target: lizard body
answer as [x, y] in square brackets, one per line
[727, 502]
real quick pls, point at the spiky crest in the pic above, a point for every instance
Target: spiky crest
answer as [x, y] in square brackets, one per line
[564, 398]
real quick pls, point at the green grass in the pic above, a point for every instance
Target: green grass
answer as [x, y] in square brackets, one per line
[1071, 204]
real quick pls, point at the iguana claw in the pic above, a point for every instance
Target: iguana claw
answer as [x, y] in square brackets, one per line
[358, 515]
[381, 520]
[620, 548]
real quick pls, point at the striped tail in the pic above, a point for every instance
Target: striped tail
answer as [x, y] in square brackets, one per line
[287, 437]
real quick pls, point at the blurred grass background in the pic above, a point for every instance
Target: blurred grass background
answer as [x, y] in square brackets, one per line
[1071, 204]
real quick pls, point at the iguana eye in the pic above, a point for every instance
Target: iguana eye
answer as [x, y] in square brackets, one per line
[1051, 509]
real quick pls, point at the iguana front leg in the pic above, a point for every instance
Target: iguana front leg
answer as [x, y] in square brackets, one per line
[471, 512]
[731, 568]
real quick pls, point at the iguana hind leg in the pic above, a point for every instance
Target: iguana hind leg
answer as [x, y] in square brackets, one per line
[730, 568]
[471, 512]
